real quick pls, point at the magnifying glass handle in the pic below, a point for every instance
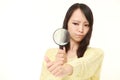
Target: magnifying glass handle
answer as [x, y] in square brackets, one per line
[61, 47]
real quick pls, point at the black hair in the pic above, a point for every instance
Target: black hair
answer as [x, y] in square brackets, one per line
[89, 16]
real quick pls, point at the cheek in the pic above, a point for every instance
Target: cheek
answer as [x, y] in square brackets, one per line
[86, 31]
[71, 30]
[70, 26]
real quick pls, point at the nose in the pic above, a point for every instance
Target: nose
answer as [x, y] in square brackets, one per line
[81, 28]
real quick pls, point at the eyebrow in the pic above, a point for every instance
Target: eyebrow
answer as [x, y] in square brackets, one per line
[76, 21]
[80, 21]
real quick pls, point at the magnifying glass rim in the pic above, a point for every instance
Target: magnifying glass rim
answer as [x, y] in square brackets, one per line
[54, 36]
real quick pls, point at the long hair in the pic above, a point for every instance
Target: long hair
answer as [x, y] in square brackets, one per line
[89, 16]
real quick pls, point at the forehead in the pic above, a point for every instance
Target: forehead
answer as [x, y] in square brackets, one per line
[78, 15]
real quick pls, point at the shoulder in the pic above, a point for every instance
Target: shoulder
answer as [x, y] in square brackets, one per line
[93, 50]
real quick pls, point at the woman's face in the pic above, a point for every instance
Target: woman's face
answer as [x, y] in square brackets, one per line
[78, 26]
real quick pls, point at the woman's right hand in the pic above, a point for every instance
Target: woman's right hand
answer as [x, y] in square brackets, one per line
[58, 69]
[61, 56]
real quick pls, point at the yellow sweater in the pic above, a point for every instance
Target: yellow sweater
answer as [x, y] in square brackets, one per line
[84, 68]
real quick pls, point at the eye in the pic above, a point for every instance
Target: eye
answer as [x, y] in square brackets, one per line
[75, 23]
[86, 25]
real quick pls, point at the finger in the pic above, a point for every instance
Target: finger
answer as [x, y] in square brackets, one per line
[56, 70]
[59, 51]
[48, 62]
[60, 57]
[59, 54]
[49, 65]
[59, 73]
[55, 65]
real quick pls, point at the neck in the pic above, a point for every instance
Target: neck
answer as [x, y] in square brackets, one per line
[73, 49]
[74, 46]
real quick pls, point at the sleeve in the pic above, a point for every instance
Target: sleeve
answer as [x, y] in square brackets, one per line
[43, 72]
[87, 66]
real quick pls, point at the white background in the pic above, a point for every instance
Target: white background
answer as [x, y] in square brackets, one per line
[26, 28]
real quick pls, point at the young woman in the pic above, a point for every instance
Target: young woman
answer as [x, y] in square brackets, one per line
[76, 61]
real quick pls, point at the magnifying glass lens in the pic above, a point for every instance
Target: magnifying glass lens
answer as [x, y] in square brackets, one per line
[61, 37]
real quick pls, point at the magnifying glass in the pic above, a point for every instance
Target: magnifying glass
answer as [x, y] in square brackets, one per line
[61, 37]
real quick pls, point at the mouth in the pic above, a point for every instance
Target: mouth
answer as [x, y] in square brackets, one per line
[79, 36]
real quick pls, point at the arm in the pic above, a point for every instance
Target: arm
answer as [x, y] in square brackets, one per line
[43, 72]
[87, 66]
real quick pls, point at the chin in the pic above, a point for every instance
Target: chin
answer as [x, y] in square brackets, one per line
[78, 40]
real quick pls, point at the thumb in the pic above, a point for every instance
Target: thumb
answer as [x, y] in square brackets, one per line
[47, 59]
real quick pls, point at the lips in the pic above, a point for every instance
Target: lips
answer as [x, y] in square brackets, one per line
[79, 36]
